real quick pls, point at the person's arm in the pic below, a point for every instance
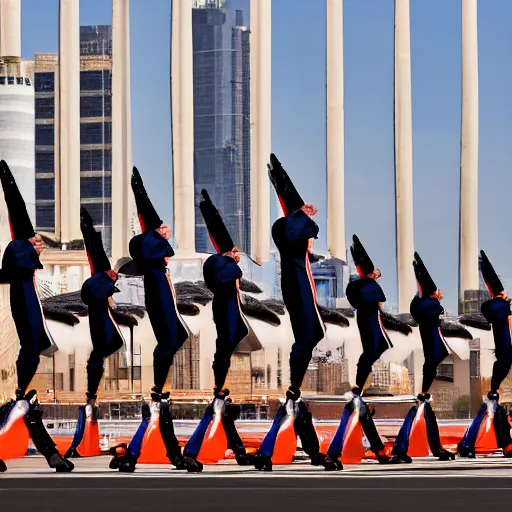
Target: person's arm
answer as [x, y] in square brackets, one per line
[300, 226]
[100, 286]
[496, 309]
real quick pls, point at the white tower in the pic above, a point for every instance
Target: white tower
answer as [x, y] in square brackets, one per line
[403, 157]
[335, 131]
[261, 125]
[468, 215]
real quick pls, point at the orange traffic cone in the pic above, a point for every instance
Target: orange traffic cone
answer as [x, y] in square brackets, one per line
[486, 439]
[418, 440]
[353, 448]
[14, 435]
[86, 442]
[286, 441]
[153, 448]
[215, 442]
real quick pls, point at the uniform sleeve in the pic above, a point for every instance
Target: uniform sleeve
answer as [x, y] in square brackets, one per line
[300, 227]
[495, 309]
[220, 270]
[425, 309]
[150, 247]
[98, 287]
[364, 292]
[20, 255]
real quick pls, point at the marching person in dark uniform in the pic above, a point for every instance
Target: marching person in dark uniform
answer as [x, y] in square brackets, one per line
[497, 312]
[366, 296]
[426, 310]
[293, 235]
[151, 252]
[106, 336]
[19, 264]
[222, 277]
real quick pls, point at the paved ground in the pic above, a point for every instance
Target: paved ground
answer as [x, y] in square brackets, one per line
[425, 485]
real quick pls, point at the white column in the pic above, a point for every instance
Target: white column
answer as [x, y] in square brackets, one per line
[261, 126]
[69, 111]
[122, 197]
[335, 134]
[468, 238]
[182, 107]
[403, 157]
[10, 28]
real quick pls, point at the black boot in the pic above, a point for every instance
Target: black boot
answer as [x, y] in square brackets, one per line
[331, 464]
[466, 453]
[3, 467]
[400, 459]
[60, 464]
[262, 462]
[192, 465]
[445, 455]
[41, 439]
[123, 460]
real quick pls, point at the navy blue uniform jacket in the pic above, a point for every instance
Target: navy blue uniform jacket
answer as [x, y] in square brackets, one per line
[426, 312]
[105, 334]
[291, 235]
[364, 295]
[19, 263]
[496, 312]
[149, 251]
[220, 276]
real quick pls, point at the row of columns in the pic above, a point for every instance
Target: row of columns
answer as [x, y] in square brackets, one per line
[67, 116]
[68, 183]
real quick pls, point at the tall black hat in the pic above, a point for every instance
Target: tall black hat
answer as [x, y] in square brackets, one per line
[98, 260]
[148, 217]
[19, 221]
[426, 285]
[491, 279]
[286, 192]
[219, 235]
[362, 261]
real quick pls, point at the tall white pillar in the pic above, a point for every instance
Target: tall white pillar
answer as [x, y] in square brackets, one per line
[122, 197]
[261, 126]
[468, 221]
[335, 135]
[403, 158]
[10, 28]
[182, 107]
[69, 121]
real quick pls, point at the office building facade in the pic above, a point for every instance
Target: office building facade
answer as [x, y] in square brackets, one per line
[221, 118]
[95, 133]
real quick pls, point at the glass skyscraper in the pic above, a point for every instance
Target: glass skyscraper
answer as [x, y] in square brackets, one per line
[222, 118]
[95, 132]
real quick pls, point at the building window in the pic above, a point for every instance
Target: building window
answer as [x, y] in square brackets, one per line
[96, 106]
[45, 189]
[95, 160]
[45, 108]
[45, 217]
[96, 133]
[95, 187]
[45, 135]
[95, 80]
[101, 213]
[44, 82]
[45, 161]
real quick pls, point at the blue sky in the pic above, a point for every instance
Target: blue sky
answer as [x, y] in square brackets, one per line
[298, 124]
